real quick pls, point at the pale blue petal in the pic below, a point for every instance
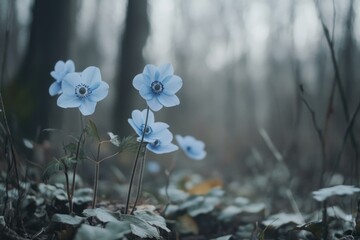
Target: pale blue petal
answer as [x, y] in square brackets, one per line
[137, 118]
[162, 148]
[146, 93]
[159, 126]
[55, 88]
[87, 107]
[151, 117]
[91, 76]
[165, 136]
[150, 72]
[100, 92]
[59, 66]
[68, 101]
[180, 140]
[196, 155]
[70, 82]
[172, 85]
[55, 75]
[154, 104]
[168, 100]
[70, 66]
[140, 82]
[166, 70]
[134, 126]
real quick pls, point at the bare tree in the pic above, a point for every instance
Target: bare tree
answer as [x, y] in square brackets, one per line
[50, 35]
[130, 61]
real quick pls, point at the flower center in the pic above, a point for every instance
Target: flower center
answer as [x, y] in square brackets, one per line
[188, 148]
[156, 143]
[82, 90]
[148, 129]
[157, 87]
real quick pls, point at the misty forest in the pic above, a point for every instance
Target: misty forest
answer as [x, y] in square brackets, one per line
[179, 119]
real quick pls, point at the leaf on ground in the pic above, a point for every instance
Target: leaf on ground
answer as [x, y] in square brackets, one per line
[118, 229]
[205, 187]
[101, 214]
[140, 227]
[66, 219]
[226, 237]
[152, 218]
[281, 219]
[186, 224]
[93, 233]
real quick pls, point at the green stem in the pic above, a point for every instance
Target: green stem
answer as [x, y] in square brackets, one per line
[135, 162]
[96, 180]
[68, 188]
[140, 180]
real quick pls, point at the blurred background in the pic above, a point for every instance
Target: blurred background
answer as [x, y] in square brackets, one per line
[271, 87]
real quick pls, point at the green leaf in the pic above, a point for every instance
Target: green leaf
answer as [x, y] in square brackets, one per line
[128, 143]
[66, 219]
[140, 227]
[92, 131]
[118, 229]
[101, 214]
[93, 233]
[152, 218]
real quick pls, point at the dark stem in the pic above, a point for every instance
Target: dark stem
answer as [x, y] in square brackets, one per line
[135, 162]
[96, 180]
[142, 167]
[75, 167]
[68, 188]
[324, 221]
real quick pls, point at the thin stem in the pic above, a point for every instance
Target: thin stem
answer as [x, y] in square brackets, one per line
[75, 167]
[136, 161]
[68, 188]
[142, 167]
[96, 178]
[168, 173]
[324, 221]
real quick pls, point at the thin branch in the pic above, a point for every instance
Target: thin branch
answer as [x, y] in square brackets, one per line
[319, 134]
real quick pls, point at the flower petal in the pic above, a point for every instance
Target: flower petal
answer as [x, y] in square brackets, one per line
[151, 117]
[146, 93]
[68, 101]
[139, 82]
[91, 75]
[150, 72]
[166, 70]
[55, 75]
[168, 100]
[196, 155]
[87, 107]
[70, 82]
[162, 148]
[135, 127]
[70, 66]
[154, 104]
[55, 88]
[100, 92]
[159, 126]
[59, 66]
[172, 85]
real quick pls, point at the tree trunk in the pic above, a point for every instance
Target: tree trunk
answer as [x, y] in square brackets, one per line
[50, 34]
[131, 62]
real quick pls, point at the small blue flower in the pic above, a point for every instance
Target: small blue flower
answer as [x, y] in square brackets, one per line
[154, 130]
[60, 71]
[153, 167]
[192, 147]
[163, 144]
[83, 90]
[158, 85]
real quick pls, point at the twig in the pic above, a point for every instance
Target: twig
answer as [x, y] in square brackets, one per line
[340, 87]
[319, 134]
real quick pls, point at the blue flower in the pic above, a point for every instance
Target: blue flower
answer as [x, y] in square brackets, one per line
[154, 130]
[60, 71]
[158, 85]
[163, 144]
[83, 90]
[192, 147]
